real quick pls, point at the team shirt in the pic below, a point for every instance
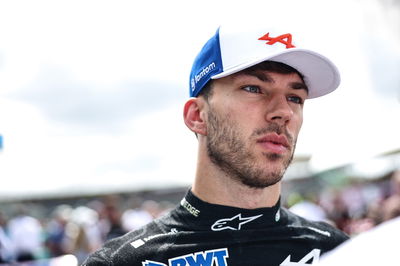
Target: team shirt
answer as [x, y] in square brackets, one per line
[197, 233]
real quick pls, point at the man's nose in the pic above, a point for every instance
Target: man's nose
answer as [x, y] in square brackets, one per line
[279, 111]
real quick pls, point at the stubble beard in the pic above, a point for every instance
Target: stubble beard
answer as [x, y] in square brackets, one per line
[226, 148]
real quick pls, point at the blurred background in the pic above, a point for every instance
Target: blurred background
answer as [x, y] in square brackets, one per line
[92, 140]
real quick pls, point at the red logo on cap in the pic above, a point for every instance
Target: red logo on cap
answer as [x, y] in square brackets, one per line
[285, 39]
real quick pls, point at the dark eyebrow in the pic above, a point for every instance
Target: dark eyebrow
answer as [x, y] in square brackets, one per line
[266, 78]
[299, 86]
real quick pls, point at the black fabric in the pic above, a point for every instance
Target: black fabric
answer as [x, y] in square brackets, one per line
[203, 234]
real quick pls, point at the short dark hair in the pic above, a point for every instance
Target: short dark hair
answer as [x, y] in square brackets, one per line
[206, 91]
[271, 66]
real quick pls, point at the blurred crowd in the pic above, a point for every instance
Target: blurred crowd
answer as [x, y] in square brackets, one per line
[354, 208]
[76, 230]
[79, 230]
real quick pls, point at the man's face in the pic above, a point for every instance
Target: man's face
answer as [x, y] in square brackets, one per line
[253, 121]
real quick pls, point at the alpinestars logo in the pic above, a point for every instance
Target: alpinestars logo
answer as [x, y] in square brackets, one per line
[234, 223]
[312, 257]
[215, 257]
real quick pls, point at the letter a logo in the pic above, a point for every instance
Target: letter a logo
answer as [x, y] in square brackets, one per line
[312, 258]
[285, 39]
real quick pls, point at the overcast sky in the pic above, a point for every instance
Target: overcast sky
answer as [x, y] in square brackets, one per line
[91, 92]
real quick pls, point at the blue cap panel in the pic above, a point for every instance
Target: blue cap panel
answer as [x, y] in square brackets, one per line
[207, 64]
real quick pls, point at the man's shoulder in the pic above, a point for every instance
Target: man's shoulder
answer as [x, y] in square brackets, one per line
[319, 230]
[131, 247]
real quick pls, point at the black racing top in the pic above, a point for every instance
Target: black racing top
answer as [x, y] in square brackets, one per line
[203, 234]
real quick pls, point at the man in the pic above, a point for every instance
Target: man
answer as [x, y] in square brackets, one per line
[248, 90]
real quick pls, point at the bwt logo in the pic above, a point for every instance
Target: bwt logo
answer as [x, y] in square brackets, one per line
[215, 257]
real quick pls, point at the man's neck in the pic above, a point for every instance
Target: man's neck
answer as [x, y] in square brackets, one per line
[214, 186]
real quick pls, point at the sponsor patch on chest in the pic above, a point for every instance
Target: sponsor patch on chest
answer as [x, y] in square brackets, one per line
[215, 257]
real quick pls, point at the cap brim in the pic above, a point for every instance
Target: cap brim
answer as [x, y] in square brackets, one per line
[320, 74]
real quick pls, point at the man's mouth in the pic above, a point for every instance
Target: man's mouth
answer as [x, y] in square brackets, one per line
[274, 143]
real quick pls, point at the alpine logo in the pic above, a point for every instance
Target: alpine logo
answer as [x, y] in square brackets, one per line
[234, 223]
[215, 257]
[312, 258]
[285, 39]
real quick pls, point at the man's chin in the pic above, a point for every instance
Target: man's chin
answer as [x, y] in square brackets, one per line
[278, 160]
[261, 183]
[273, 157]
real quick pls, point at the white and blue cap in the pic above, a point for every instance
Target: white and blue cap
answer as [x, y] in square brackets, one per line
[231, 50]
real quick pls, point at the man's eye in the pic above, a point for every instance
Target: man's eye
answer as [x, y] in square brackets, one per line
[296, 99]
[252, 89]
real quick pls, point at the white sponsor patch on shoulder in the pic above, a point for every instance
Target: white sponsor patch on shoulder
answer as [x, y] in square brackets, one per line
[137, 243]
[140, 242]
[322, 232]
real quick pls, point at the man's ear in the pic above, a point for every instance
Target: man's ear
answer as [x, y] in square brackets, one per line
[193, 115]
